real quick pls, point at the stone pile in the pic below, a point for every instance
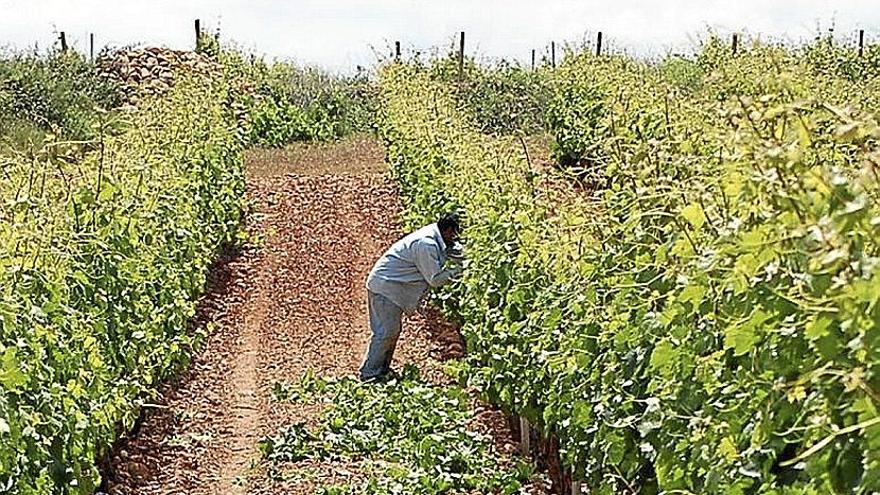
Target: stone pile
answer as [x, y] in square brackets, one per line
[149, 71]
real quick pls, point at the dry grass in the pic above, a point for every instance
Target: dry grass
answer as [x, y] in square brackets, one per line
[356, 155]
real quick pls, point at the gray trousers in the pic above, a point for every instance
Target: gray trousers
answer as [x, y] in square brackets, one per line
[385, 324]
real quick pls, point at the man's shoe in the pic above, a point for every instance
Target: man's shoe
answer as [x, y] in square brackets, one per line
[369, 379]
[390, 375]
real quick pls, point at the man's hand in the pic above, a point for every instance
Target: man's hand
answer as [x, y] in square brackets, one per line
[456, 270]
[456, 252]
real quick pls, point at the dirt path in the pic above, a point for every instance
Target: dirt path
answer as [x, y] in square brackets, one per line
[290, 301]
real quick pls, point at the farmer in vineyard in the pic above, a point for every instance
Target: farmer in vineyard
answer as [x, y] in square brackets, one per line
[398, 281]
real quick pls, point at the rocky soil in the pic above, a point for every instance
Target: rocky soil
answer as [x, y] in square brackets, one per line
[291, 300]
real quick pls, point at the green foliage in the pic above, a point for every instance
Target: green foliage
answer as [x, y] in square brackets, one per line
[288, 103]
[707, 320]
[507, 99]
[101, 260]
[291, 444]
[276, 123]
[575, 111]
[308, 387]
[829, 58]
[503, 98]
[683, 73]
[57, 93]
[413, 437]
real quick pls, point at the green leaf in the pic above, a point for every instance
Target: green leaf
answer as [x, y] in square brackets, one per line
[669, 313]
[747, 265]
[728, 450]
[817, 327]
[753, 238]
[803, 134]
[733, 184]
[580, 413]
[742, 337]
[694, 214]
[107, 192]
[11, 376]
[664, 355]
[693, 294]
[616, 449]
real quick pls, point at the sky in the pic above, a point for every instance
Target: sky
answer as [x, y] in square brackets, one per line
[341, 34]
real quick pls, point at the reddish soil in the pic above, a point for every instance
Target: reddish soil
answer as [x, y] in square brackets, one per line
[354, 155]
[291, 300]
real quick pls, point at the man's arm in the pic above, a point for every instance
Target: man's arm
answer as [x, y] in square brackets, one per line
[427, 260]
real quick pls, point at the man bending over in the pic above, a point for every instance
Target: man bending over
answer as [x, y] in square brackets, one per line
[398, 281]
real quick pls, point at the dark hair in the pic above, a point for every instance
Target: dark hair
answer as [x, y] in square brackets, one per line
[449, 220]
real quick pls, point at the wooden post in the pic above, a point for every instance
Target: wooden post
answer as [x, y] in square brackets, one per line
[461, 59]
[599, 44]
[533, 59]
[92, 47]
[525, 437]
[735, 43]
[63, 39]
[198, 33]
[396, 50]
[861, 42]
[576, 487]
[553, 54]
